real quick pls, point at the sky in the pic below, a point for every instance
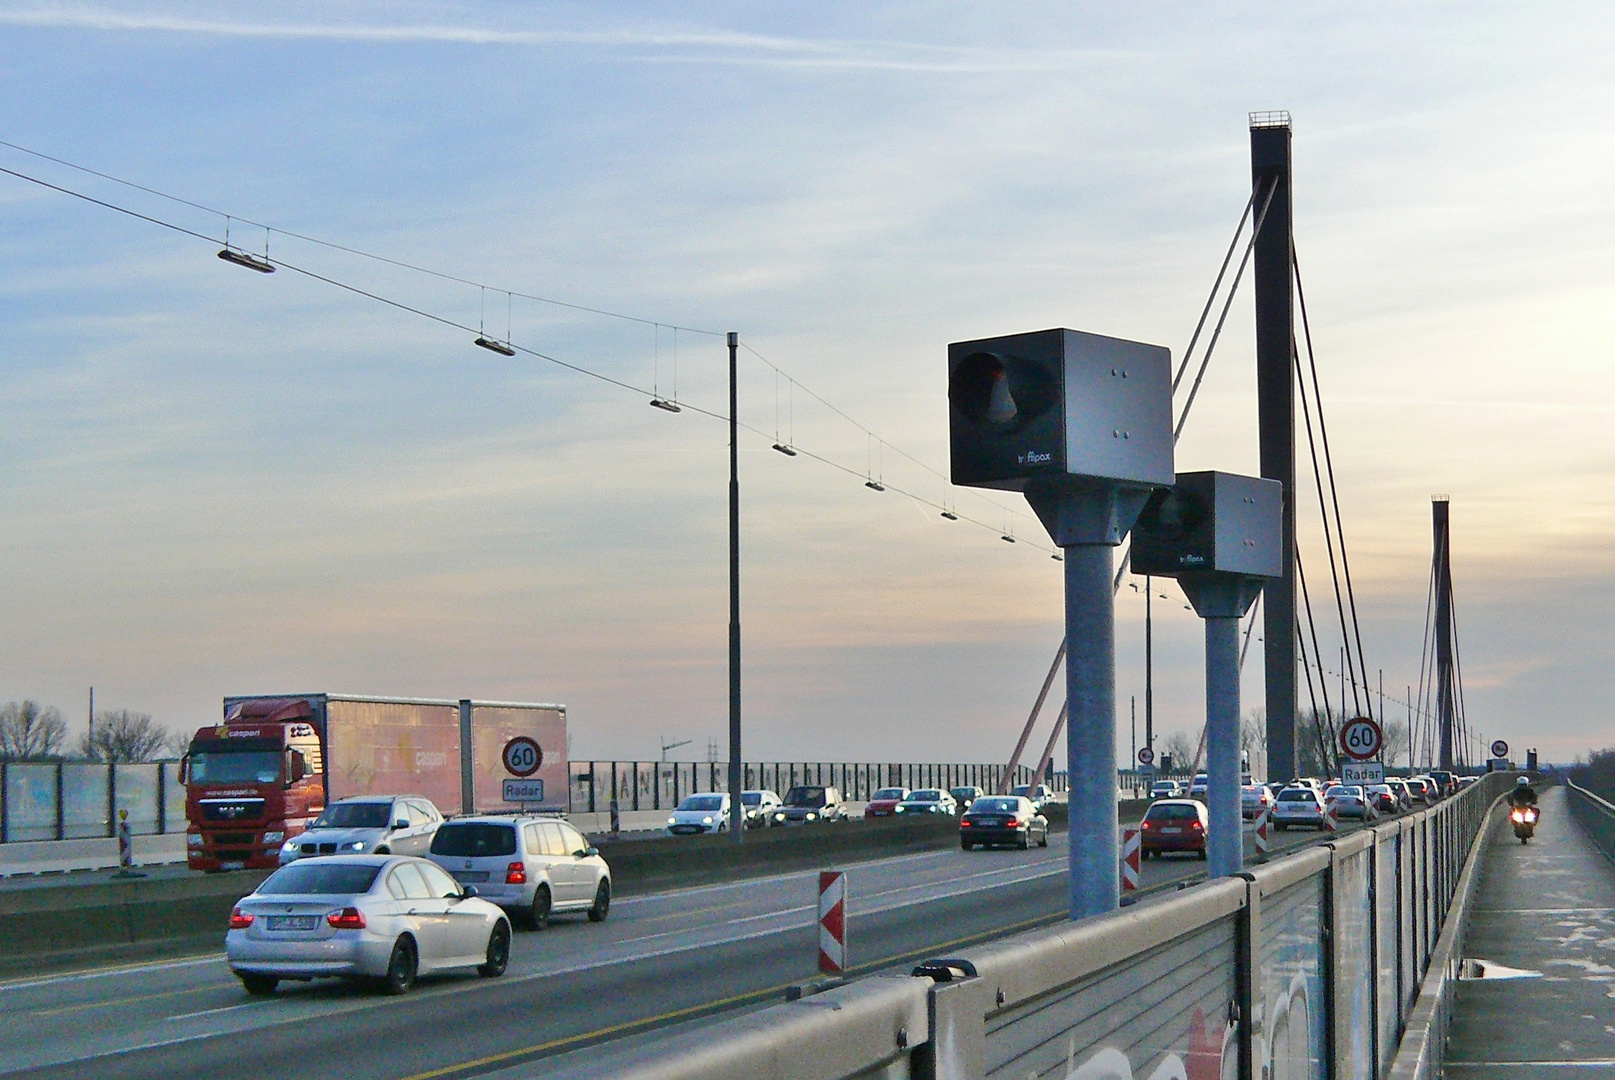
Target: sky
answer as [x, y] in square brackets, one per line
[217, 482]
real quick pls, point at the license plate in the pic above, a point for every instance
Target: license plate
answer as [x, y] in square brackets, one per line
[292, 922]
[1171, 830]
[471, 877]
[232, 866]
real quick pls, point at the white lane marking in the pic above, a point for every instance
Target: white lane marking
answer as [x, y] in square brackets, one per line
[106, 973]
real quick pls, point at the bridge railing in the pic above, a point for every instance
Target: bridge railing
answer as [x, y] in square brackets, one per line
[1596, 816]
[1307, 968]
[659, 785]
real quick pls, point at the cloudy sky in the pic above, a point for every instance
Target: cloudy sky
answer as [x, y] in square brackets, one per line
[216, 482]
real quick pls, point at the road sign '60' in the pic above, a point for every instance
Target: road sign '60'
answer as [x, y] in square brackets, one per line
[1361, 738]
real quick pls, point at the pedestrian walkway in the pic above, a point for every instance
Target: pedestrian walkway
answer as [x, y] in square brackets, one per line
[1542, 929]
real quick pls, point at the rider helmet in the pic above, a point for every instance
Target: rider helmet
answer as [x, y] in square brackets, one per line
[1522, 782]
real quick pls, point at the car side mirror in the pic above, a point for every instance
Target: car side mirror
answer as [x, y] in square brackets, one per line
[591, 852]
[468, 891]
[401, 824]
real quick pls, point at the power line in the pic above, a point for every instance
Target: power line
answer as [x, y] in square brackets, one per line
[516, 348]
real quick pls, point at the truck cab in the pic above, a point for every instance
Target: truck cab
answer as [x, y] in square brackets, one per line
[251, 783]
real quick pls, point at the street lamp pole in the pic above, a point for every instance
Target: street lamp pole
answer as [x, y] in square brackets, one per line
[737, 812]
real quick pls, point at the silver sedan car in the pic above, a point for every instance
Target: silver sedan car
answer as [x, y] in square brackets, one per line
[383, 918]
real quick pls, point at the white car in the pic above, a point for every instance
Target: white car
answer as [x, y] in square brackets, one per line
[700, 814]
[1349, 800]
[1298, 806]
[759, 807]
[1197, 787]
[532, 866]
[381, 917]
[929, 801]
[1040, 795]
[368, 825]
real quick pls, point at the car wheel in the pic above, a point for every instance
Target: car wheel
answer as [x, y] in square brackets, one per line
[382, 851]
[1202, 854]
[602, 902]
[401, 967]
[1023, 843]
[967, 845]
[538, 915]
[498, 955]
[259, 985]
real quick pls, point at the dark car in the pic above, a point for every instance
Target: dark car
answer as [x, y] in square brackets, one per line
[809, 804]
[964, 796]
[1174, 825]
[1003, 819]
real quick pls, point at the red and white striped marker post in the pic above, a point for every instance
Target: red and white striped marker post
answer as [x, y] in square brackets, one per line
[832, 922]
[1262, 821]
[1331, 818]
[1130, 855]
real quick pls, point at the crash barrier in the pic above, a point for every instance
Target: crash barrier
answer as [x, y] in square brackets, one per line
[659, 785]
[76, 800]
[1307, 967]
[1595, 815]
[78, 923]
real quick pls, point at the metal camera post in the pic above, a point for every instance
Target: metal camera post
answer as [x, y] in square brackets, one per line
[1082, 424]
[1220, 536]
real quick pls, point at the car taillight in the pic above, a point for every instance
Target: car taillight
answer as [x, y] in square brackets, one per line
[240, 920]
[516, 874]
[1013, 823]
[1197, 827]
[965, 824]
[349, 918]
[1149, 825]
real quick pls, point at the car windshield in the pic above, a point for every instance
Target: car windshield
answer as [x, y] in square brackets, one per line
[751, 798]
[889, 793]
[325, 879]
[810, 798]
[963, 793]
[1021, 789]
[235, 766]
[354, 815]
[702, 802]
[995, 806]
[1296, 794]
[1171, 812]
[925, 796]
[471, 839]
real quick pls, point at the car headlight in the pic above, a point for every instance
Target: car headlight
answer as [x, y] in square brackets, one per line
[706, 821]
[274, 837]
[670, 821]
[897, 809]
[193, 839]
[290, 845]
[811, 816]
[357, 845]
[780, 816]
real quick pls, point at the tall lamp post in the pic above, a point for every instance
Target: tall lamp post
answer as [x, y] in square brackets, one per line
[737, 812]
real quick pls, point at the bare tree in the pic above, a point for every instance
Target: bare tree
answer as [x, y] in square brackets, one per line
[1180, 750]
[1396, 741]
[1253, 740]
[124, 738]
[30, 732]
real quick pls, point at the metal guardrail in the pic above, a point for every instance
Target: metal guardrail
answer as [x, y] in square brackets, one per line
[659, 785]
[1595, 815]
[1308, 967]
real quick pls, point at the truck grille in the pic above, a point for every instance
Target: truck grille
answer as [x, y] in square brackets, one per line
[232, 810]
[233, 838]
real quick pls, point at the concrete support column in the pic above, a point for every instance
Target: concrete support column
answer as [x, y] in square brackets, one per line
[1225, 844]
[1090, 676]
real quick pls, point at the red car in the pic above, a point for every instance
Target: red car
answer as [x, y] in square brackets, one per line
[883, 803]
[1174, 825]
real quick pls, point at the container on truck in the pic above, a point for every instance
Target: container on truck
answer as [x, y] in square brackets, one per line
[264, 774]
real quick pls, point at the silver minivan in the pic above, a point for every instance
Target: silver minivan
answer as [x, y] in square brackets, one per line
[532, 866]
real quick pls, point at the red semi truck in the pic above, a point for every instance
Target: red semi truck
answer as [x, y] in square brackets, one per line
[260, 777]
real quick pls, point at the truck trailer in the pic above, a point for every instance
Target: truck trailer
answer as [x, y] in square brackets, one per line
[262, 775]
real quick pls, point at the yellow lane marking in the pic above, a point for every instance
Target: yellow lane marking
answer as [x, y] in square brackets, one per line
[111, 1002]
[719, 1005]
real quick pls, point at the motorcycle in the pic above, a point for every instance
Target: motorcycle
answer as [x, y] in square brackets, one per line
[1524, 819]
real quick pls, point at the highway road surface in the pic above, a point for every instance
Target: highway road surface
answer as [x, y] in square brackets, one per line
[658, 960]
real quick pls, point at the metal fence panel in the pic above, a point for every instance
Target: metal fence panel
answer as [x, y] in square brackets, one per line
[1291, 958]
[1354, 972]
[1386, 916]
[1165, 1013]
[30, 801]
[84, 800]
[136, 787]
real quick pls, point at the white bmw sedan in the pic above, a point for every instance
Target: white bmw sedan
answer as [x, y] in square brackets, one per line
[385, 918]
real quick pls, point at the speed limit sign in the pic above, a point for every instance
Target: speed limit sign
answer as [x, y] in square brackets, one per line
[522, 756]
[1500, 749]
[1146, 756]
[1361, 738]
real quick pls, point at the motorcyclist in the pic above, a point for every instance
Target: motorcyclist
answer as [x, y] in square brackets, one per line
[1523, 794]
